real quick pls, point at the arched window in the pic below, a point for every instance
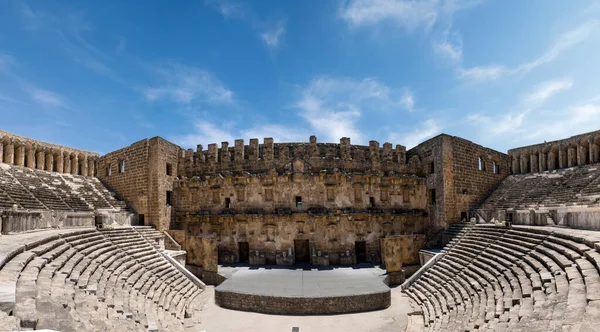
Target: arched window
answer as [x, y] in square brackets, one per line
[496, 168]
[480, 163]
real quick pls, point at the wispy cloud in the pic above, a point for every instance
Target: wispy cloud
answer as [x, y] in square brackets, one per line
[6, 61]
[185, 84]
[519, 120]
[227, 8]
[273, 36]
[332, 106]
[545, 90]
[46, 97]
[562, 43]
[422, 132]
[408, 100]
[449, 47]
[408, 14]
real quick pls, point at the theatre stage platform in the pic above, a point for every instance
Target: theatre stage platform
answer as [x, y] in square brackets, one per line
[303, 291]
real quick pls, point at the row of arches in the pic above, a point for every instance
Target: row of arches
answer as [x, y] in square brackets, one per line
[556, 156]
[15, 151]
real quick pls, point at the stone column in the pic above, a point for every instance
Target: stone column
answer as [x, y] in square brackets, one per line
[20, 155]
[40, 158]
[67, 164]
[9, 152]
[49, 160]
[91, 166]
[550, 161]
[84, 166]
[75, 164]
[31, 157]
[1, 151]
[571, 156]
[534, 162]
[562, 163]
[591, 151]
[515, 164]
[580, 154]
[60, 162]
[543, 159]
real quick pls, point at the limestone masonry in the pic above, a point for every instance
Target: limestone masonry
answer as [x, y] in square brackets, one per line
[299, 204]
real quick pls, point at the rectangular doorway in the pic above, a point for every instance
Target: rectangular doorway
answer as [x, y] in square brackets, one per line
[244, 252]
[360, 249]
[301, 250]
[141, 220]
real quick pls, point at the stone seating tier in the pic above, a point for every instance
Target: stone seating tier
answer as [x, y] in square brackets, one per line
[505, 279]
[572, 186]
[95, 280]
[33, 189]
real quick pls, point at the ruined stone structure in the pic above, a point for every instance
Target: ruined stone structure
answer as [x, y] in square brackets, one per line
[311, 203]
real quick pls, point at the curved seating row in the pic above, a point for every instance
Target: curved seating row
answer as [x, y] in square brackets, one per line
[41, 190]
[572, 186]
[102, 280]
[511, 279]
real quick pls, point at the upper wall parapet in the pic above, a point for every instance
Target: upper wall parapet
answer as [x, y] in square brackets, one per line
[576, 150]
[295, 157]
[23, 151]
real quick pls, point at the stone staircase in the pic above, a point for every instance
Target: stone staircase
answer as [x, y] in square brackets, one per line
[96, 280]
[510, 279]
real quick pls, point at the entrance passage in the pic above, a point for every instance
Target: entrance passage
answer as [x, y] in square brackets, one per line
[302, 251]
[360, 249]
[244, 252]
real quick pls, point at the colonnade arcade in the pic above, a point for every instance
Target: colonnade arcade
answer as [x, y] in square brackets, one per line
[48, 157]
[556, 155]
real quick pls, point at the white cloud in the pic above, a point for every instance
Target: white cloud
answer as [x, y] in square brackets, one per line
[425, 130]
[206, 133]
[273, 36]
[184, 84]
[332, 106]
[408, 100]
[561, 44]
[45, 97]
[279, 133]
[227, 8]
[483, 73]
[406, 13]
[448, 50]
[545, 90]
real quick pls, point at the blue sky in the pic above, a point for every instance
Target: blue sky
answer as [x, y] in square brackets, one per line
[99, 75]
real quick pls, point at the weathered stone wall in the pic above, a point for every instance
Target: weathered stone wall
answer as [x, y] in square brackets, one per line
[23, 221]
[576, 150]
[303, 306]
[452, 170]
[132, 184]
[317, 156]
[400, 250]
[144, 182]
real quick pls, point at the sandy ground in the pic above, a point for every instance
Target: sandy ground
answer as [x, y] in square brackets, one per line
[217, 319]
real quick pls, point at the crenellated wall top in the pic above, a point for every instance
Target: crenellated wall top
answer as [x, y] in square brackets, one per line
[295, 157]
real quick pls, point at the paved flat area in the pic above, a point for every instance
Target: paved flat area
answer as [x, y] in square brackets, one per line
[216, 319]
[298, 282]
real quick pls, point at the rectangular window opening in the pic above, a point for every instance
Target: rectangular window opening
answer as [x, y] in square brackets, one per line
[432, 196]
[169, 169]
[298, 201]
[372, 202]
[431, 167]
[227, 203]
[122, 166]
[169, 197]
[109, 170]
